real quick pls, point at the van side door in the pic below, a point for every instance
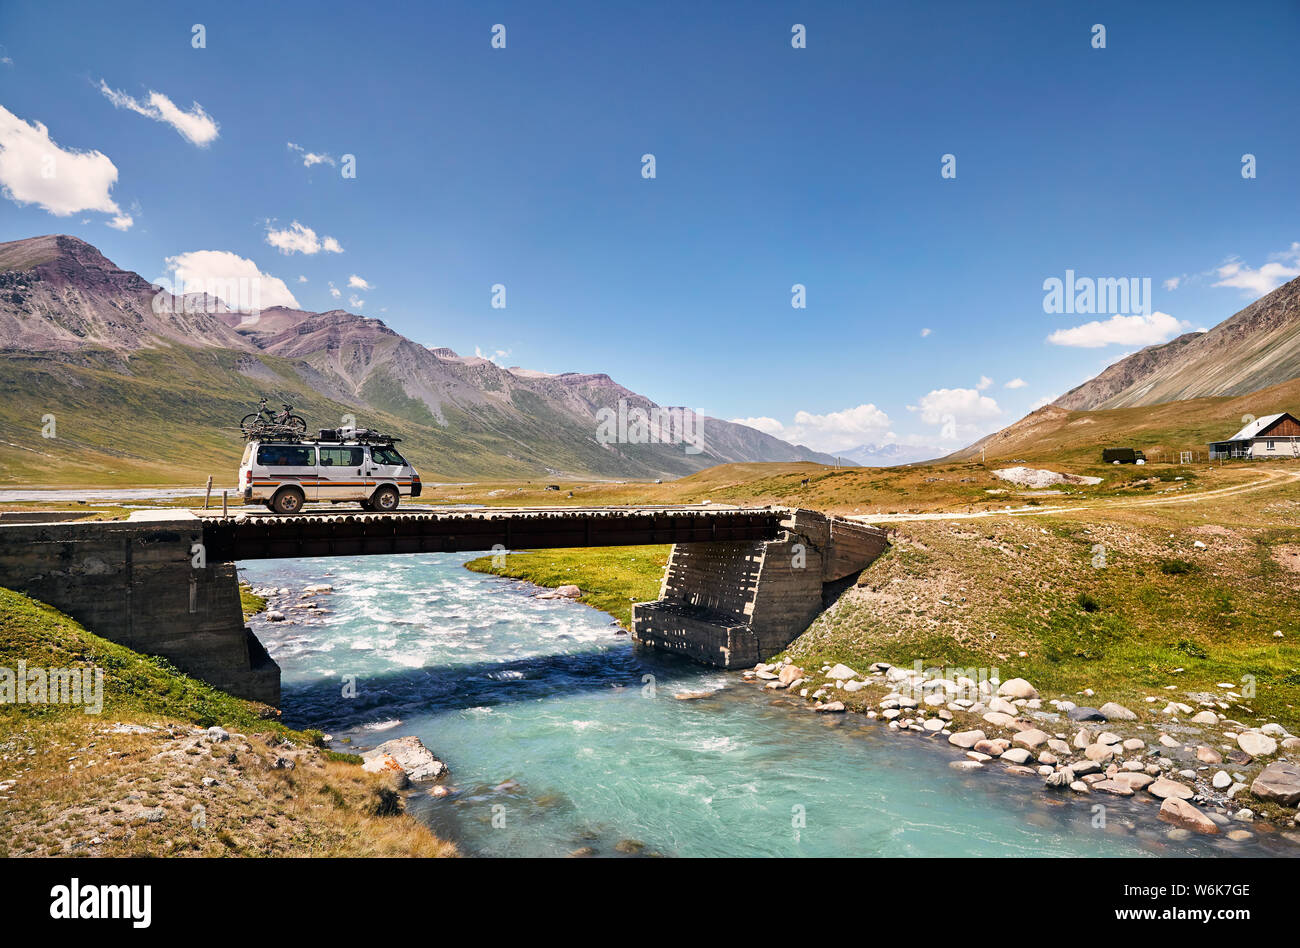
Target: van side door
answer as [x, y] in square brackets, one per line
[342, 473]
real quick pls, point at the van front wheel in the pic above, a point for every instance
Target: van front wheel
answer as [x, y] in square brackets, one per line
[385, 499]
[288, 501]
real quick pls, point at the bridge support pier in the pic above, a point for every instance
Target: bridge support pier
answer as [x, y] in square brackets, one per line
[135, 583]
[736, 604]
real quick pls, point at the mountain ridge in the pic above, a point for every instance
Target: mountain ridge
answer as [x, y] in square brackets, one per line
[73, 323]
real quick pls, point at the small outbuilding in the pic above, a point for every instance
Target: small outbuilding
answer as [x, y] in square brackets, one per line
[1269, 436]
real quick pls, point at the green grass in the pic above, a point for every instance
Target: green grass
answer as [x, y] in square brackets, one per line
[250, 604]
[611, 578]
[137, 687]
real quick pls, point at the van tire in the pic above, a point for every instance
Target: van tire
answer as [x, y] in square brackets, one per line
[385, 499]
[288, 500]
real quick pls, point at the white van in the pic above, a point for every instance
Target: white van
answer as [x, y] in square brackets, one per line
[284, 475]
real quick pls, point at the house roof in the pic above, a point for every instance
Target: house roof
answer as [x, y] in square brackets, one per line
[1257, 426]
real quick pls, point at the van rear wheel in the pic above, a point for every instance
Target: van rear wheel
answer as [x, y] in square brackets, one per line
[385, 499]
[288, 501]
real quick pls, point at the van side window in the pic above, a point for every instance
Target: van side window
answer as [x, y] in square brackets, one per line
[340, 457]
[286, 455]
[386, 455]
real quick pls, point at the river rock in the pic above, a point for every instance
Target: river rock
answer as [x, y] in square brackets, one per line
[1205, 717]
[789, 674]
[1108, 738]
[1208, 755]
[829, 707]
[1016, 755]
[1165, 789]
[1000, 719]
[843, 673]
[1030, 738]
[966, 739]
[1135, 780]
[1117, 787]
[1221, 780]
[1003, 706]
[1059, 747]
[410, 754]
[1017, 688]
[1256, 744]
[1082, 713]
[1280, 782]
[1060, 779]
[1117, 712]
[1183, 814]
[992, 748]
[1098, 752]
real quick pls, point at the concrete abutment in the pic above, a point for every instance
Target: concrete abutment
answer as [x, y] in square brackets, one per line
[736, 604]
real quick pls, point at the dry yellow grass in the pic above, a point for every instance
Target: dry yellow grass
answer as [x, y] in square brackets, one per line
[84, 789]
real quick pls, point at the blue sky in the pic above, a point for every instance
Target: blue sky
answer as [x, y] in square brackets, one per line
[774, 166]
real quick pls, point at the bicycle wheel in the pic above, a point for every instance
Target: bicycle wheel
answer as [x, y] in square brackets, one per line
[297, 424]
[249, 422]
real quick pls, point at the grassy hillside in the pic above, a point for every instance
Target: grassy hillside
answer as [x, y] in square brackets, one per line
[1078, 437]
[135, 778]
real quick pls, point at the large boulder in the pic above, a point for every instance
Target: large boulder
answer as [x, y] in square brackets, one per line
[1280, 782]
[410, 755]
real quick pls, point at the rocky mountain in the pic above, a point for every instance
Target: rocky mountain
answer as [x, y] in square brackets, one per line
[1253, 350]
[103, 351]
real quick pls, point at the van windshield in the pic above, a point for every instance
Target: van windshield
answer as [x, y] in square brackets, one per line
[386, 455]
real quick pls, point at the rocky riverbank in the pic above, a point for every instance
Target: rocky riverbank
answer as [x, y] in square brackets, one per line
[1212, 774]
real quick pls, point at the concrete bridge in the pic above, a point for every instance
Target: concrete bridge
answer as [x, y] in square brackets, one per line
[741, 583]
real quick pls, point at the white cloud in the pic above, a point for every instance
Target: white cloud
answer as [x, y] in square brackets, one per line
[1135, 330]
[1281, 267]
[195, 126]
[983, 383]
[1173, 282]
[959, 411]
[1016, 383]
[356, 283]
[34, 170]
[234, 279]
[310, 158]
[833, 431]
[297, 238]
[334, 290]
[1045, 400]
[496, 355]
[302, 279]
[355, 302]
[926, 332]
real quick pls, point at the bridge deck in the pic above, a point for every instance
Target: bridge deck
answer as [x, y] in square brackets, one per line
[256, 536]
